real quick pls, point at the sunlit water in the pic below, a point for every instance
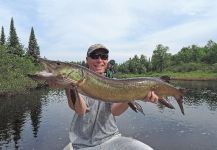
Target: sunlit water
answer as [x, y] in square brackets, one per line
[41, 119]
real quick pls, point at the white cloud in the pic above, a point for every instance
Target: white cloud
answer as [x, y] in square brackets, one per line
[65, 29]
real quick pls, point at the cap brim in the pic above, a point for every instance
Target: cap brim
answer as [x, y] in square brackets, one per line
[99, 49]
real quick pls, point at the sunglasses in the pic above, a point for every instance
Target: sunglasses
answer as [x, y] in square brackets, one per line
[96, 56]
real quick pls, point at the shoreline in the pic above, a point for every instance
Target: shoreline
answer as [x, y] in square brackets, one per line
[194, 78]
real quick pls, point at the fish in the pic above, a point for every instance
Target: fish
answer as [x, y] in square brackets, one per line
[106, 89]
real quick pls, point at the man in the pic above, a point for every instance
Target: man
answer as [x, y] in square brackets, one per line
[93, 126]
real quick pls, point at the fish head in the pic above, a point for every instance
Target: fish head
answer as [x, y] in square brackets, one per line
[52, 67]
[61, 72]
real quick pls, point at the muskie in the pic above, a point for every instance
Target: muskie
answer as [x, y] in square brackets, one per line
[109, 90]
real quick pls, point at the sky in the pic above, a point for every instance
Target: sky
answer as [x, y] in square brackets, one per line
[65, 29]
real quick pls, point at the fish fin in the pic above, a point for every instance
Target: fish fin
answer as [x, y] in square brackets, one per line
[74, 94]
[75, 97]
[166, 103]
[180, 103]
[132, 106]
[136, 107]
[179, 99]
[139, 108]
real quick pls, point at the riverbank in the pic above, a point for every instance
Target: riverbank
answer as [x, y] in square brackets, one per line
[194, 79]
[191, 76]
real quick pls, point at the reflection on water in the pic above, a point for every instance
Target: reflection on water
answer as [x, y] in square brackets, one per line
[25, 111]
[41, 120]
[14, 113]
[200, 92]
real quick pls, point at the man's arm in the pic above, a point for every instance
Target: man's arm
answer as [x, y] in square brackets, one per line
[79, 106]
[118, 108]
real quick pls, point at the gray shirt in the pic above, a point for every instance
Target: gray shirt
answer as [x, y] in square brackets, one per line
[95, 127]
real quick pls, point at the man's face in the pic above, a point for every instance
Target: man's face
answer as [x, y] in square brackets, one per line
[98, 61]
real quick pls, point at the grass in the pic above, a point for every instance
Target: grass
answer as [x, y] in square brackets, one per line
[193, 75]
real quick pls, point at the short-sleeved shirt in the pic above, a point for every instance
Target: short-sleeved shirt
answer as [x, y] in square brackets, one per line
[96, 126]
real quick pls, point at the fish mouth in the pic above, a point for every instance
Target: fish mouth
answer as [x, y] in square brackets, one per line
[49, 66]
[42, 75]
[48, 71]
[45, 73]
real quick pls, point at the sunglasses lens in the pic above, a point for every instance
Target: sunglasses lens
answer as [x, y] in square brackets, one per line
[96, 56]
[104, 56]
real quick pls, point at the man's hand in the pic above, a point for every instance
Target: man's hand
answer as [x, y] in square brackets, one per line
[151, 97]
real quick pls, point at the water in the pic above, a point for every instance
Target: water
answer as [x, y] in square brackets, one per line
[41, 120]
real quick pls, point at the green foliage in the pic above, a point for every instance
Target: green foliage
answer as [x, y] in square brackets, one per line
[33, 48]
[198, 75]
[160, 58]
[14, 70]
[134, 65]
[2, 39]
[214, 68]
[189, 54]
[211, 52]
[188, 67]
[192, 58]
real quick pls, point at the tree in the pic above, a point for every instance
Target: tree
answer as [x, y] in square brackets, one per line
[13, 41]
[211, 52]
[33, 48]
[143, 65]
[2, 40]
[133, 64]
[159, 57]
[189, 54]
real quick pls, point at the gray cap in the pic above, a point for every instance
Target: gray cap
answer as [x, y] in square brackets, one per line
[94, 47]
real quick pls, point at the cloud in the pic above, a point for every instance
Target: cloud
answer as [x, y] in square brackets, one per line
[65, 29]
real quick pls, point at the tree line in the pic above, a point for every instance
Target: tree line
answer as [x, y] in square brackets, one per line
[191, 58]
[13, 46]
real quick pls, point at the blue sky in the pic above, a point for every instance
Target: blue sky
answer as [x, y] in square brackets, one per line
[65, 29]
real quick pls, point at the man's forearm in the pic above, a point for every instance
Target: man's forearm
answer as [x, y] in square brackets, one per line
[118, 108]
[77, 104]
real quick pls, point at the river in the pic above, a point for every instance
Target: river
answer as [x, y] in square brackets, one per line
[40, 120]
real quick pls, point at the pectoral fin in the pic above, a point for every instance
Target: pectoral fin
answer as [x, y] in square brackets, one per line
[74, 94]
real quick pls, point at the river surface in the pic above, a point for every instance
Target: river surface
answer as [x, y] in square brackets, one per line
[41, 119]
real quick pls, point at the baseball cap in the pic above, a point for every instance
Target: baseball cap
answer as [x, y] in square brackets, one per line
[94, 47]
